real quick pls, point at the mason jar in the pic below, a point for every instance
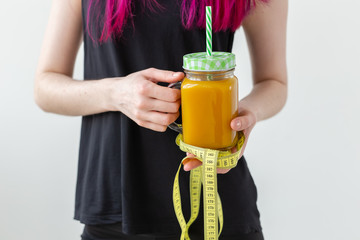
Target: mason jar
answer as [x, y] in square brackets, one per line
[209, 100]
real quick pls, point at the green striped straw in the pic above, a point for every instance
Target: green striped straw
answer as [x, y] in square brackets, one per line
[208, 31]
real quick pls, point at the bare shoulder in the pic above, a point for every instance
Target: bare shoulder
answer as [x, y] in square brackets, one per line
[65, 24]
[267, 13]
[265, 31]
[73, 6]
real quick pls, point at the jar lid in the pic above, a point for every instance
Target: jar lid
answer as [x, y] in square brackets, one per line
[218, 61]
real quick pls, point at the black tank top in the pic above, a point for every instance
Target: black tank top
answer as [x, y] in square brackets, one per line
[126, 172]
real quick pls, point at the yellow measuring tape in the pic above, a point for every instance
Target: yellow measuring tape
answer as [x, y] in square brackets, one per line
[206, 175]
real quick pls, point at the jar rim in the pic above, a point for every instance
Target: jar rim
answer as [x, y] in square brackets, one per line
[210, 71]
[209, 75]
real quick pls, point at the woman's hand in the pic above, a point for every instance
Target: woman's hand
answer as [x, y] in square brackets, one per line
[245, 122]
[140, 98]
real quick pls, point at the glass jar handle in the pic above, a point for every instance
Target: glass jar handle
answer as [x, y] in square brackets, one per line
[175, 126]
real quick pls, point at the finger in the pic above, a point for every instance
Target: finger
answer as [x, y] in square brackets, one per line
[222, 171]
[188, 158]
[155, 91]
[184, 161]
[159, 118]
[233, 149]
[191, 164]
[157, 75]
[161, 106]
[152, 126]
[242, 122]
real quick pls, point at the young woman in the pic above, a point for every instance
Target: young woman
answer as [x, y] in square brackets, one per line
[127, 157]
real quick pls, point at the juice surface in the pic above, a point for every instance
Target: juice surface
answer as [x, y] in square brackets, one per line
[207, 110]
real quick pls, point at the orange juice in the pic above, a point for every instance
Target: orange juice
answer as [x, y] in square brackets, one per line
[209, 103]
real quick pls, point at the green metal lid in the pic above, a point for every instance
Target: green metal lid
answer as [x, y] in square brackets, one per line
[218, 61]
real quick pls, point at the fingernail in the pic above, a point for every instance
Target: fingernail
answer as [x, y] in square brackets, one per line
[238, 124]
[185, 161]
[177, 74]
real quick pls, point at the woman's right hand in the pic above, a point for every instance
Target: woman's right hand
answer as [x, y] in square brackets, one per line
[140, 98]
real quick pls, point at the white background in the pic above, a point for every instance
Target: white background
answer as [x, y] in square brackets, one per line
[305, 160]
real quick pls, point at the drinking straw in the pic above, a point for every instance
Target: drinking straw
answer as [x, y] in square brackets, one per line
[208, 31]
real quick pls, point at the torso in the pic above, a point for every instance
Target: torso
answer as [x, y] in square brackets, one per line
[125, 171]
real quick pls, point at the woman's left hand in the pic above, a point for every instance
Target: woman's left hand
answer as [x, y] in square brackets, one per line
[245, 122]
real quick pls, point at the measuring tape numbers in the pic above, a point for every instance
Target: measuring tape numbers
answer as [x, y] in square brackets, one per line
[205, 175]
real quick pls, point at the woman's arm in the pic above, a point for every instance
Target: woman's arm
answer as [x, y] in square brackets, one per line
[265, 30]
[55, 90]
[137, 95]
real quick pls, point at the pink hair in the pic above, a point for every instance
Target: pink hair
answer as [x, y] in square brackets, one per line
[227, 14]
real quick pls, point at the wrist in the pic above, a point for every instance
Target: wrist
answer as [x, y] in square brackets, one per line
[106, 89]
[112, 93]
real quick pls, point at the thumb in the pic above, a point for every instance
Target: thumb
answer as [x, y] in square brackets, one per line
[242, 122]
[157, 75]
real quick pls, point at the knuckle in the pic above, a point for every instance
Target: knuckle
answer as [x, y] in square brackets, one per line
[174, 95]
[177, 114]
[141, 104]
[162, 129]
[246, 122]
[167, 119]
[143, 88]
[131, 75]
[141, 123]
[163, 120]
[176, 106]
[172, 108]
[150, 70]
[137, 114]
